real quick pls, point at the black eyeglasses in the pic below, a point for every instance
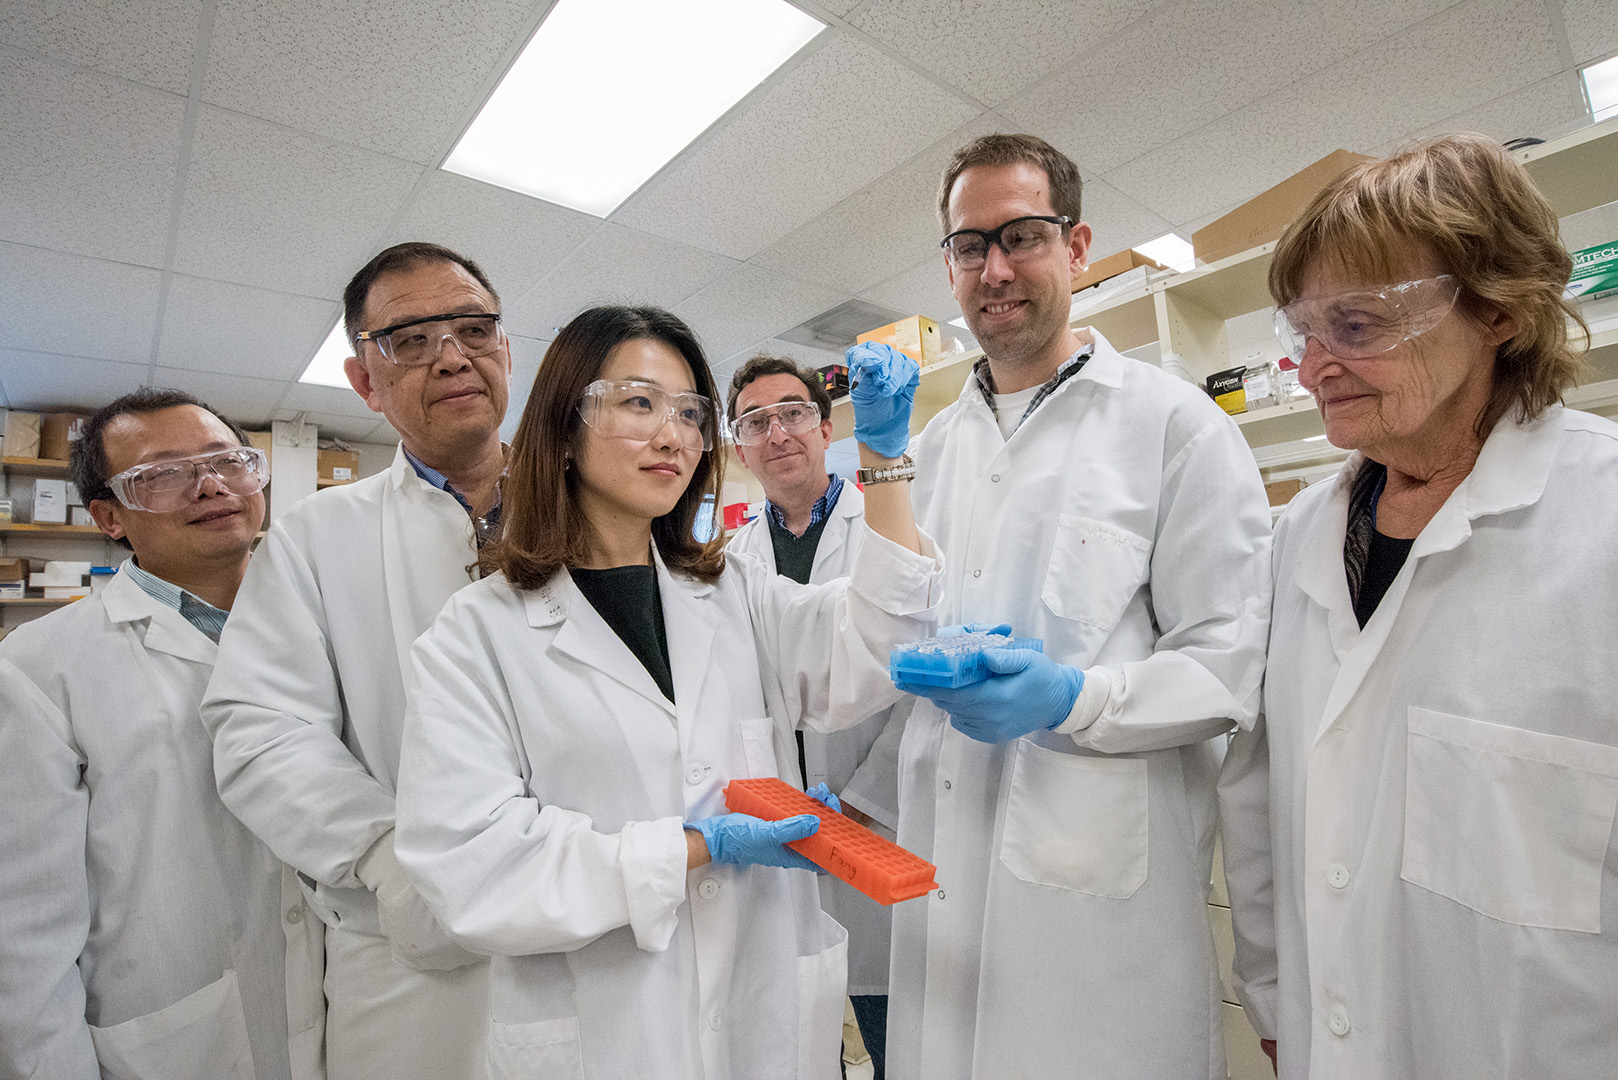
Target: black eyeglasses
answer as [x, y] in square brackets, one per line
[1019, 238]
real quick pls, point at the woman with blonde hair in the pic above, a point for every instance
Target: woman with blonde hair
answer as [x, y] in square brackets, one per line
[1419, 836]
[576, 715]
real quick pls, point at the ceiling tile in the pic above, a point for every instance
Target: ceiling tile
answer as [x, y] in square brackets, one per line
[806, 355]
[992, 50]
[89, 162]
[880, 230]
[1401, 84]
[841, 8]
[1542, 110]
[750, 304]
[526, 353]
[330, 400]
[149, 42]
[394, 76]
[221, 327]
[1189, 64]
[1592, 28]
[514, 238]
[348, 428]
[1116, 220]
[275, 208]
[35, 380]
[746, 185]
[247, 401]
[921, 290]
[619, 266]
[82, 307]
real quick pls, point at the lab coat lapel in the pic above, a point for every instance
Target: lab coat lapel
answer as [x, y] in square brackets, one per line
[166, 629]
[690, 619]
[585, 636]
[839, 531]
[425, 552]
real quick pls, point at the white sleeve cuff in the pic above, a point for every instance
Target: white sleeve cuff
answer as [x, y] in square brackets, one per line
[1092, 699]
[653, 855]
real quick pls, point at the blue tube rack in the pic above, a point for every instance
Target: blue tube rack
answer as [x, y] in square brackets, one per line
[951, 660]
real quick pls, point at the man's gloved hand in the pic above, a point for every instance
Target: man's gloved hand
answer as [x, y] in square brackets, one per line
[822, 793]
[744, 840]
[418, 941]
[1027, 691]
[882, 385]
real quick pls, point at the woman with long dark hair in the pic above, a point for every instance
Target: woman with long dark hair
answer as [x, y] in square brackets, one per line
[577, 713]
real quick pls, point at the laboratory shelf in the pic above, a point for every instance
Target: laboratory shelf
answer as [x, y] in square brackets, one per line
[33, 601]
[64, 532]
[27, 466]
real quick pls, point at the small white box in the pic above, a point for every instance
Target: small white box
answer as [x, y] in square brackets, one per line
[50, 502]
[66, 592]
[11, 590]
[79, 515]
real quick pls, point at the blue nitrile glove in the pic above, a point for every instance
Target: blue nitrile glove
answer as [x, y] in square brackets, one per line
[744, 840]
[1028, 691]
[882, 385]
[822, 793]
[975, 628]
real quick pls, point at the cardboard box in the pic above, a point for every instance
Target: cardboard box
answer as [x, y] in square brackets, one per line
[5, 511]
[1595, 272]
[339, 466]
[916, 337]
[263, 440]
[13, 569]
[1283, 491]
[1265, 217]
[1113, 265]
[57, 432]
[50, 502]
[22, 434]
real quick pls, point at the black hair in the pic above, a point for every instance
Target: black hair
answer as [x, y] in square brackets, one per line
[400, 257]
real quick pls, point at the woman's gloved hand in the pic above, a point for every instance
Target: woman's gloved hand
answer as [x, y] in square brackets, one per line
[822, 793]
[1026, 691]
[882, 385]
[744, 840]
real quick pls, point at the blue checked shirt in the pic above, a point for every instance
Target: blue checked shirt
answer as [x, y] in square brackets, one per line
[193, 609]
[818, 512]
[487, 526]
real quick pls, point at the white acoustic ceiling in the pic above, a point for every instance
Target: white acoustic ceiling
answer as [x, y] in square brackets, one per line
[186, 185]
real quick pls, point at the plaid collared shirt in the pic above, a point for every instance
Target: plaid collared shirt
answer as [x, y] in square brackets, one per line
[817, 512]
[1070, 367]
[193, 609]
[487, 526]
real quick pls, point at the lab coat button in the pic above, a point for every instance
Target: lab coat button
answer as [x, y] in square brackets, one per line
[1338, 1022]
[714, 1021]
[995, 478]
[946, 785]
[709, 888]
[295, 915]
[977, 573]
[941, 894]
[694, 774]
[1337, 876]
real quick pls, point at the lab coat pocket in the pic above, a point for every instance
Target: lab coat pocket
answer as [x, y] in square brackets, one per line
[757, 741]
[822, 983]
[1513, 824]
[543, 1048]
[1094, 569]
[1076, 822]
[203, 1036]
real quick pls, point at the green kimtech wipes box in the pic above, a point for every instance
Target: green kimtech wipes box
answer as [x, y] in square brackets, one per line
[1595, 272]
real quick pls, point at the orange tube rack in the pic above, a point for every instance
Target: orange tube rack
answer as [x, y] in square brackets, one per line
[884, 871]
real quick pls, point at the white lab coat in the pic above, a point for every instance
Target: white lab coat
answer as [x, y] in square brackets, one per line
[544, 786]
[306, 705]
[1124, 523]
[859, 764]
[140, 923]
[1442, 785]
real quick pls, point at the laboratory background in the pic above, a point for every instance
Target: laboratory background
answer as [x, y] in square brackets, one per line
[186, 185]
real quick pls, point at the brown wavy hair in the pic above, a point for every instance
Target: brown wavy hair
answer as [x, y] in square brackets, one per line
[543, 529]
[1067, 188]
[1464, 199]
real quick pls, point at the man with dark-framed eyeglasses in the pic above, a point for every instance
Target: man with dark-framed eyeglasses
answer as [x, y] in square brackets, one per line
[141, 929]
[809, 531]
[1114, 511]
[307, 705]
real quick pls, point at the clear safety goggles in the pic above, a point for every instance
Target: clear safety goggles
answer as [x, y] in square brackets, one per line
[794, 417]
[1360, 325]
[639, 410]
[420, 341]
[161, 486]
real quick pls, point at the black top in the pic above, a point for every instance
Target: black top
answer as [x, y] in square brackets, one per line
[626, 597]
[795, 555]
[1382, 563]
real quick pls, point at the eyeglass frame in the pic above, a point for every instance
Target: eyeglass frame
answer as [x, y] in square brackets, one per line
[734, 427]
[378, 336]
[991, 237]
[120, 483]
[669, 414]
[1382, 293]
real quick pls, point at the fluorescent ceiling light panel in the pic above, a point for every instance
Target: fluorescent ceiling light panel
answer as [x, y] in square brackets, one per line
[1601, 88]
[608, 91]
[326, 369]
[1171, 250]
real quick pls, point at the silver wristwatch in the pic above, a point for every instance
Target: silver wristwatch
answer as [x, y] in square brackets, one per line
[905, 470]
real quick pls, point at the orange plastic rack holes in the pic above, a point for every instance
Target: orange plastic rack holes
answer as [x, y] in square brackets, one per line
[884, 871]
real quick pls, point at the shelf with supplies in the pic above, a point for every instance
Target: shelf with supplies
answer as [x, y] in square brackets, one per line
[1188, 314]
[27, 466]
[54, 532]
[32, 602]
